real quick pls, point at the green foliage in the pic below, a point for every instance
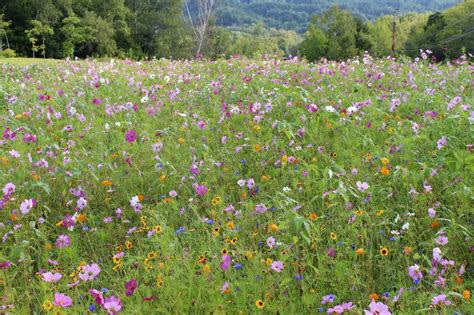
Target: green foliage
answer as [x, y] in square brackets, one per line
[8, 53]
[296, 14]
[75, 32]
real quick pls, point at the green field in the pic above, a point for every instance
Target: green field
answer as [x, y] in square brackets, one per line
[236, 187]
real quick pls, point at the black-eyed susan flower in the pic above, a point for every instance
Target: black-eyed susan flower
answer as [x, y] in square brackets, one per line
[333, 236]
[384, 251]
[260, 304]
[128, 244]
[47, 305]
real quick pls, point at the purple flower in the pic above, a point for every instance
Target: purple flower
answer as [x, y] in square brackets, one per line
[9, 189]
[415, 272]
[441, 240]
[328, 299]
[431, 212]
[226, 261]
[131, 135]
[439, 300]
[81, 203]
[260, 208]
[277, 266]
[63, 241]
[89, 272]
[201, 190]
[377, 308]
[331, 252]
[441, 143]
[5, 264]
[271, 242]
[130, 287]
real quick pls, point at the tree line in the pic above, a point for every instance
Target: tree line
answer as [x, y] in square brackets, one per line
[188, 28]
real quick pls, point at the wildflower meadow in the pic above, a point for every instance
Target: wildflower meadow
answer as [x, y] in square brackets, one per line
[237, 186]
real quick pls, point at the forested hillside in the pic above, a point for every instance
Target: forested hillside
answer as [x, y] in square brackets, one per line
[296, 14]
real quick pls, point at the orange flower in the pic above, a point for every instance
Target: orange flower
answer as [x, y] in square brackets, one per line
[106, 183]
[407, 250]
[435, 224]
[313, 216]
[141, 198]
[374, 296]
[360, 251]
[273, 227]
[466, 294]
[384, 171]
[81, 217]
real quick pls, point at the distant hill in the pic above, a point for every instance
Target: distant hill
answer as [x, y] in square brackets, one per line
[296, 14]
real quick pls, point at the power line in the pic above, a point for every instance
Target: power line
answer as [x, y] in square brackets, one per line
[468, 31]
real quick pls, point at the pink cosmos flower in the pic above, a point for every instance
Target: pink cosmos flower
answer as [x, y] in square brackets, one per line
[26, 206]
[113, 305]
[89, 272]
[277, 266]
[131, 135]
[440, 300]
[437, 254]
[63, 241]
[377, 308]
[341, 308]
[362, 186]
[415, 272]
[226, 261]
[51, 277]
[62, 300]
[441, 240]
[271, 242]
[9, 189]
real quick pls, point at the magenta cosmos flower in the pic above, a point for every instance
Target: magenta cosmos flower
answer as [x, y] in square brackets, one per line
[62, 300]
[5, 264]
[130, 287]
[131, 135]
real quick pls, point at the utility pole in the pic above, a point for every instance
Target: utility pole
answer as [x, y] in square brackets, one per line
[394, 32]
